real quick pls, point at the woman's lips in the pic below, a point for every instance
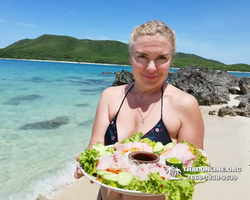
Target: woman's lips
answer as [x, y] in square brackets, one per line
[150, 76]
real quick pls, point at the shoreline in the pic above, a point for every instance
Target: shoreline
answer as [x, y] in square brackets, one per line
[225, 136]
[58, 61]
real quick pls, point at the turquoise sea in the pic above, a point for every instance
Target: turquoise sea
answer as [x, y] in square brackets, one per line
[41, 161]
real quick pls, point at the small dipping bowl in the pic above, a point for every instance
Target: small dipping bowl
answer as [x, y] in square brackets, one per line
[143, 157]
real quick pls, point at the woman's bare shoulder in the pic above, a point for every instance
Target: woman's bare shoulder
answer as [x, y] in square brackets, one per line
[180, 98]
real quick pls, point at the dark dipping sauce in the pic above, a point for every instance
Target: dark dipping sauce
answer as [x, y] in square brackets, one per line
[144, 157]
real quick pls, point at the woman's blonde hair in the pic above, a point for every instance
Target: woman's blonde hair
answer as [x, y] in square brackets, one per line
[153, 28]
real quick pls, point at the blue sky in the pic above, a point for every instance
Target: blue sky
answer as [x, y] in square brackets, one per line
[213, 29]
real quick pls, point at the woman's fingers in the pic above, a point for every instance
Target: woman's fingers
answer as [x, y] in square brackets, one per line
[78, 173]
[77, 157]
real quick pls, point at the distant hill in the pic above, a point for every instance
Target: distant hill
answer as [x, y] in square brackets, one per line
[64, 48]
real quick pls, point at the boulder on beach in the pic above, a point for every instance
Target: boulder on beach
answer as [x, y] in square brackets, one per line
[123, 77]
[208, 87]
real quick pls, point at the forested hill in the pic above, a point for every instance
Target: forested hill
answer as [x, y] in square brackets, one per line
[64, 48]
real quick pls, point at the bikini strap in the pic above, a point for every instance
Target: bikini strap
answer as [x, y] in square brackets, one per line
[124, 99]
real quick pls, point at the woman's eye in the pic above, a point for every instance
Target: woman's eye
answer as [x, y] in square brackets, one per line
[141, 56]
[162, 58]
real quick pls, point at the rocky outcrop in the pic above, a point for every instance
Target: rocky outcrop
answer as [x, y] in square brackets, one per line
[208, 87]
[244, 85]
[123, 77]
[242, 110]
[50, 124]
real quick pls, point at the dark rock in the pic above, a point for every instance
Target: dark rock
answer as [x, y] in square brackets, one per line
[41, 197]
[200, 85]
[123, 77]
[244, 98]
[234, 90]
[83, 105]
[50, 124]
[244, 85]
[98, 89]
[224, 111]
[212, 112]
[242, 104]
[208, 87]
[37, 79]
[233, 113]
[106, 72]
[18, 100]
[243, 109]
[87, 123]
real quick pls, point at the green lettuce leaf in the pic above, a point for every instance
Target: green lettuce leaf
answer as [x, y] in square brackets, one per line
[110, 149]
[88, 160]
[180, 189]
[136, 137]
[155, 184]
[176, 189]
[110, 183]
[148, 141]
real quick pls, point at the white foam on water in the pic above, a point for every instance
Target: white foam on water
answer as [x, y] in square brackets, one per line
[47, 187]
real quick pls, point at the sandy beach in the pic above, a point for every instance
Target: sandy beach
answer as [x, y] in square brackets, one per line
[65, 62]
[227, 142]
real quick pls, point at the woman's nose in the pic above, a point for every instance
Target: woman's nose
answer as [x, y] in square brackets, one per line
[151, 66]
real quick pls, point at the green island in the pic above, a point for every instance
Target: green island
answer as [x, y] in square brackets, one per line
[65, 48]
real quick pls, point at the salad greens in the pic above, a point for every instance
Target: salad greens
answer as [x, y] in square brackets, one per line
[136, 137]
[88, 160]
[149, 142]
[176, 189]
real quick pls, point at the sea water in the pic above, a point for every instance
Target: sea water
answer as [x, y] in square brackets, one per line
[37, 162]
[40, 162]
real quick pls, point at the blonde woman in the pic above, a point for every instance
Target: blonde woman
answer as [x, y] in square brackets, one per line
[159, 110]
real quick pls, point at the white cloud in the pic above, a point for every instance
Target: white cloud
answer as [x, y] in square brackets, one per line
[124, 41]
[25, 25]
[2, 21]
[88, 37]
[102, 37]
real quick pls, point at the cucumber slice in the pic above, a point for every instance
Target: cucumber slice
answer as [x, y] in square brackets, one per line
[174, 162]
[102, 153]
[158, 147]
[110, 177]
[124, 178]
[97, 147]
[167, 146]
[101, 145]
[186, 174]
[101, 172]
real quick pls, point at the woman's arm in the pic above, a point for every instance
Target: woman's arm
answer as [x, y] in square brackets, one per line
[192, 125]
[99, 127]
[101, 120]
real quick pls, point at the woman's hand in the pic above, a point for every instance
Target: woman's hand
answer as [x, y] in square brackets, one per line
[78, 173]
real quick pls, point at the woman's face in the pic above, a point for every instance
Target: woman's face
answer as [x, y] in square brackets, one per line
[151, 58]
